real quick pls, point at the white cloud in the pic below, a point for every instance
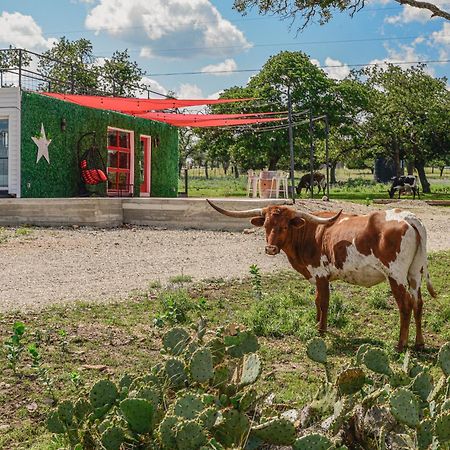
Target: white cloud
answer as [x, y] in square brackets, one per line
[22, 31]
[221, 69]
[412, 14]
[189, 91]
[152, 85]
[168, 28]
[403, 53]
[441, 39]
[336, 69]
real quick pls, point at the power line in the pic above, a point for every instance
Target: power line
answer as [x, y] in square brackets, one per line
[280, 44]
[429, 61]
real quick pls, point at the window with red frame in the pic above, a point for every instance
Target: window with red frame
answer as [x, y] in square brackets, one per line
[119, 161]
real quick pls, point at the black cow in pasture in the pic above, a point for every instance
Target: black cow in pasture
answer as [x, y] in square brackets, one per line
[404, 184]
[305, 182]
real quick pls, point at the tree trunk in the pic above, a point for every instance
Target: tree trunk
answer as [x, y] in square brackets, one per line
[410, 167]
[397, 159]
[420, 166]
[236, 171]
[206, 170]
[333, 165]
[442, 170]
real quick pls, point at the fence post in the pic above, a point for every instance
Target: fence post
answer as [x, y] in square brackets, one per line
[311, 152]
[186, 170]
[20, 68]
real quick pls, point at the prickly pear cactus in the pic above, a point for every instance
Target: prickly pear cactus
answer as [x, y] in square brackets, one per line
[422, 385]
[316, 349]
[350, 381]
[360, 353]
[424, 434]
[208, 417]
[138, 413]
[103, 393]
[189, 435]
[166, 432]
[81, 409]
[405, 407]
[66, 412]
[276, 431]
[444, 358]
[231, 428]
[176, 372]
[442, 427]
[218, 350]
[54, 424]
[201, 365]
[175, 341]
[112, 438]
[188, 406]
[377, 360]
[399, 378]
[151, 394]
[312, 442]
[251, 369]
[241, 343]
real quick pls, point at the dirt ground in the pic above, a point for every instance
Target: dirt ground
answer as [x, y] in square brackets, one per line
[51, 265]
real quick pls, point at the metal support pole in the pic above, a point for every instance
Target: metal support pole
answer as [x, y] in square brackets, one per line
[186, 181]
[72, 80]
[291, 143]
[311, 152]
[327, 154]
[20, 67]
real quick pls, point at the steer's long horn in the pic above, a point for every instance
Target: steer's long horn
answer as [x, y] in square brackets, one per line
[238, 214]
[319, 220]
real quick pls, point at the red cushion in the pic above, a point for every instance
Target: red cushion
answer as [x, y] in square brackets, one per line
[91, 176]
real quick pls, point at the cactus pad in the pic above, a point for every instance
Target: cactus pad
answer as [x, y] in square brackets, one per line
[312, 442]
[138, 413]
[176, 372]
[81, 409]
[399, 378]
[442, 427]
[248, 399]
[251, 369]
[377, 361]
[424, 434]
[208, 417]
[444, 358]
[231, 428]
[360, 352]
[241, 343]
[175, 341]
[351, 381]
[151, 394]
[54, 424]
[189, 435]
[446, 405]
[405, 407]
[276, 431]
[316, 349]
[166, 432]
[65, 412]
[201, 365]
[188, 406]
[112, 438]
[422, 385]
[103, 393]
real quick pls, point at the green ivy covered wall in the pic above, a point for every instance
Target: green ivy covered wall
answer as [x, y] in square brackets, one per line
[61, 177]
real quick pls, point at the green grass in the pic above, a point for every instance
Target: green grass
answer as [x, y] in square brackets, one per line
[356, 186]
[124, 337]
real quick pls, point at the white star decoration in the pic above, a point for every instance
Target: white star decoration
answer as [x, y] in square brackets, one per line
[42, 142]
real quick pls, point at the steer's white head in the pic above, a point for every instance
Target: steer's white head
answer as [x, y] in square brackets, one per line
[278, 221]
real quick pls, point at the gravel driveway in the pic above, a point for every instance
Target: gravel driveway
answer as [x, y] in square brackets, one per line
[48, 266]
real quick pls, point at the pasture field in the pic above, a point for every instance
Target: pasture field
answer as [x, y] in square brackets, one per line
[83, 342]
[354, 185]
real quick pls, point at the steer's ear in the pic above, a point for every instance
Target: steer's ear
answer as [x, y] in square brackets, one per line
[257, 221]
[297, 222]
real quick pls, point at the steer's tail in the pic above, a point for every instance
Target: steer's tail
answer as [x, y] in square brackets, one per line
[421, 254]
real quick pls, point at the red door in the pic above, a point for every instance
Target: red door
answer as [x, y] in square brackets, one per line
[146, 166]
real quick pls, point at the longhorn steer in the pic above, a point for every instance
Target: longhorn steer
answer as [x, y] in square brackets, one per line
[359, 249]
[305, 182]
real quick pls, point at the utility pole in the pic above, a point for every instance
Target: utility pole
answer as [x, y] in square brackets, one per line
[291, 142]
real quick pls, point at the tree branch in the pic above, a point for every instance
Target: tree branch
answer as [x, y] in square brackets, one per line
[426, 5]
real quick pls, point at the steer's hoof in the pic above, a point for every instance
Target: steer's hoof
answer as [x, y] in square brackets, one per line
[400, 348]
[419, 346]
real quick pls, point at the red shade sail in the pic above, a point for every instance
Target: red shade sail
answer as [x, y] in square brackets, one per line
[136, 105]
[142, 107]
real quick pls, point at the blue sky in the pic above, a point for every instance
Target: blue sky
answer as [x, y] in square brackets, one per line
[179, 36]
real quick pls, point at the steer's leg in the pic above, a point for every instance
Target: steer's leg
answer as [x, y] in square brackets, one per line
[404, 303]
[417, 308]
[322, 301]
